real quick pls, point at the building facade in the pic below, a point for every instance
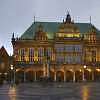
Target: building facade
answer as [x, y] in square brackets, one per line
[4, 64]
[64, 51]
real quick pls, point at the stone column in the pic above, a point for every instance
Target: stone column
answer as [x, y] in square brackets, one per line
[35, 76]
[83, 77]
[92, 75]
[55, 76]
[74, 79]
[44, 70]
[64, 76]
[48, 69]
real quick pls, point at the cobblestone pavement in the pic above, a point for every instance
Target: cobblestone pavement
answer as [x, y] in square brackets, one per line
[51, 91]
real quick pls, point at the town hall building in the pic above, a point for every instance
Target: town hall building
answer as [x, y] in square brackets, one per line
[63, 51]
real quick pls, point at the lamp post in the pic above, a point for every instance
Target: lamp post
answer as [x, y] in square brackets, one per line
[12, 70]
[84, 67]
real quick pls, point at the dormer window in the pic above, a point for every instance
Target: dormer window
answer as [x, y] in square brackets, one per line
[40, 34]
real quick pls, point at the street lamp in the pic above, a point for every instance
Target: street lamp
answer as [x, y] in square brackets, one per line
[84, 67]
[5, 77]
[11, 67]
[13, 70]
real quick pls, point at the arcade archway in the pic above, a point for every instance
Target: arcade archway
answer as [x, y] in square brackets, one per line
[69, 76]
[39, 74]
[59, 76]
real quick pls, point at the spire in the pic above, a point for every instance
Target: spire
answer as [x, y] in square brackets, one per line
[68, 18]
[90, 19]
[63, 20]
[13, 38]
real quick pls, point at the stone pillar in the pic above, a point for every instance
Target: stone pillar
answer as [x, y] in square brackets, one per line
[55, 76]
[64, 76]
[35, 76]
[83, 77]
[93, 75]
[48, 70]
[44, 70]
[74, 79]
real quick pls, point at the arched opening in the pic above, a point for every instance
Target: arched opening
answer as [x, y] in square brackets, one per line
[51, 76]
[29, 76]
[97, 75]
[60, 76]
[87, 75]
[78, 76]
[20, 76]
[4, 77]
[69, 76]
[39, 74]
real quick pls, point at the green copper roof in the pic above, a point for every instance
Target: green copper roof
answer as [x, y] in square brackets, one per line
[52, 27]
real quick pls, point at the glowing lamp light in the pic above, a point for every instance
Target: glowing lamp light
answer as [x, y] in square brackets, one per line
[5, 73]
[84, 66]
[80, 70]
[11, 67]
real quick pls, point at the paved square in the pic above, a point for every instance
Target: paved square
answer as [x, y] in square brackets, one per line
[51, 91]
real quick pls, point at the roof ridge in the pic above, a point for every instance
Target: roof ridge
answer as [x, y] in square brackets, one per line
[59, 22]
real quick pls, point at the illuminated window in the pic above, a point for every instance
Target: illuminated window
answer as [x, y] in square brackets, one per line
[93, 56]
[69, 48]
[59, 59]
[61, 35]
[73, 48]
[77, 59]
[68, 59]
[59, 47]
[21, 53]
[68, 35]
[49, 50]
[78, 48]
[36, 55]
[40, 52]
[31, 54]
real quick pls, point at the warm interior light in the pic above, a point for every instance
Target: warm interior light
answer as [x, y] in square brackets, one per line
[80, 70]
[68, 35]
[89, 70]
[71, 70]
[98, 70]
